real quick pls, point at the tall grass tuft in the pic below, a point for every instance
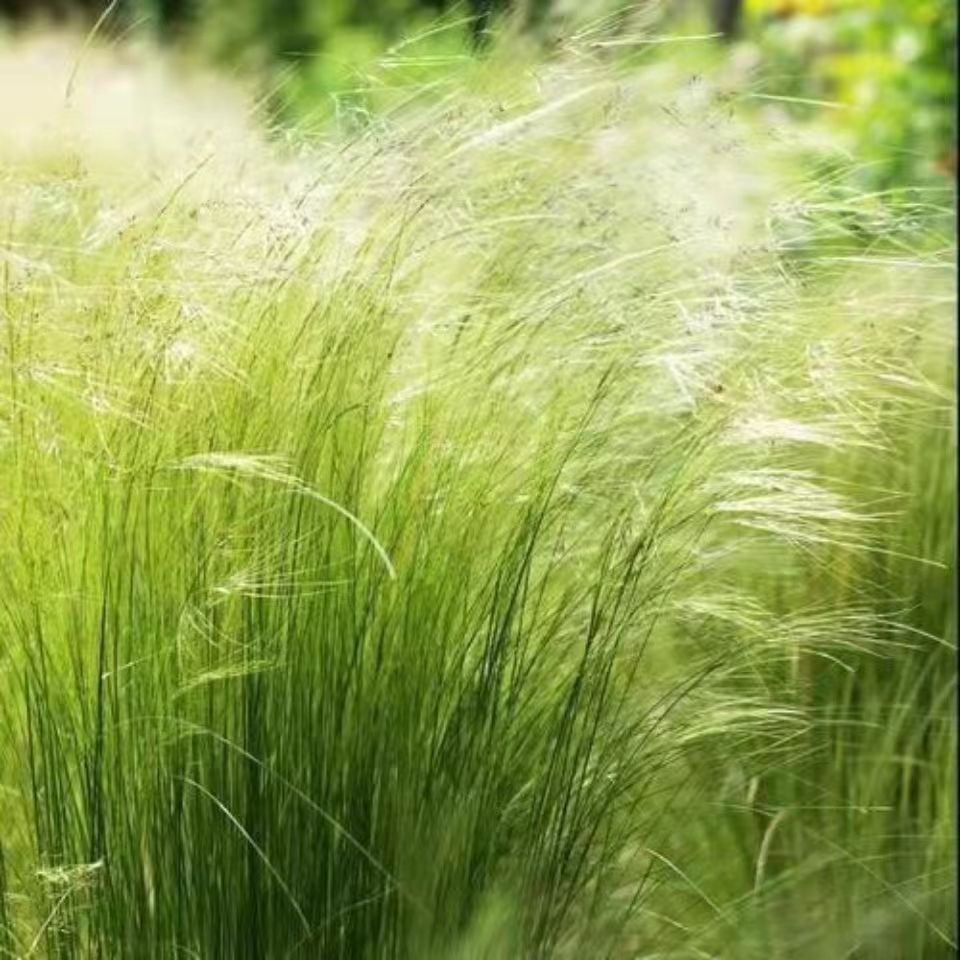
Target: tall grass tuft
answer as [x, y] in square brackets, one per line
[516, 530]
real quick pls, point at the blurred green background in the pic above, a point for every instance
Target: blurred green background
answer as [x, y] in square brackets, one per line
[883, 69]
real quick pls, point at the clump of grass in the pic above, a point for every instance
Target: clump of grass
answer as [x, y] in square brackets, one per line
[394, 537]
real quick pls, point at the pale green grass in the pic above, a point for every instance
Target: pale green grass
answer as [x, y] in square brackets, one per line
[517, 531]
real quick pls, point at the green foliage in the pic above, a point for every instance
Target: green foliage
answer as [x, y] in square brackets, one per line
[297, 28]
[889, 65]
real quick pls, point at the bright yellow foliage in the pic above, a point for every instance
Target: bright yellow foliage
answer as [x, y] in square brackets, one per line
[808, 8]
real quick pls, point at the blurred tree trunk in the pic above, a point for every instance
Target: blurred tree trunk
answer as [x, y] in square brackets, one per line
[172, 16]
[481, 11]
[727, 16]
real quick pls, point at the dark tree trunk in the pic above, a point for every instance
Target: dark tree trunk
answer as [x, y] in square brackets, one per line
[172, 13]
[481, 11]
[726, 17]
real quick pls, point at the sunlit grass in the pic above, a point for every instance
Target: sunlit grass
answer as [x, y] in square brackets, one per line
[521, 530]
